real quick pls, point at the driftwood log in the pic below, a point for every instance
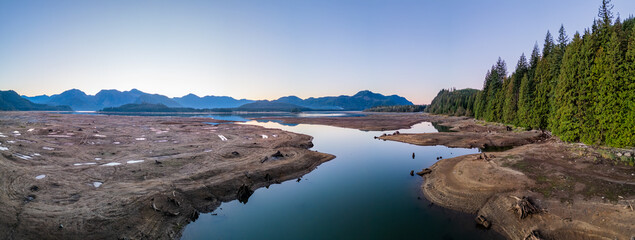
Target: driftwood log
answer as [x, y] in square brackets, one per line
[523, 207]
[424, 172]
[481, 220]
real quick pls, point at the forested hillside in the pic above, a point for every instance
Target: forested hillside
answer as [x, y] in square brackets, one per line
[582, 89]
[454, 102]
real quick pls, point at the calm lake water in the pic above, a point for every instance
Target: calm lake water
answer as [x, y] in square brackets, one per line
[366, 192]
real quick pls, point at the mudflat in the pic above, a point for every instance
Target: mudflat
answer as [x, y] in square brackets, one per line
[66, 176]
[577, 191]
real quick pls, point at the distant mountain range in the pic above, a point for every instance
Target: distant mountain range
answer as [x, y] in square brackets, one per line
[11, 101]
[80, 101]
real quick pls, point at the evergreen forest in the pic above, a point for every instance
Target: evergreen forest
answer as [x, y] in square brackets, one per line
[581, 88]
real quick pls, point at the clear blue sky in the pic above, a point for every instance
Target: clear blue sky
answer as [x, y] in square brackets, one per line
[268, 49]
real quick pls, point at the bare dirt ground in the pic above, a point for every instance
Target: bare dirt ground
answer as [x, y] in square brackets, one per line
[117, 177]
[581, 193]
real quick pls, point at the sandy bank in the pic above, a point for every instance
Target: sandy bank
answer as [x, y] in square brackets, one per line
[110, 177]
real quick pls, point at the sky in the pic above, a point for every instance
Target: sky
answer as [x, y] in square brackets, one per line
[274, 48]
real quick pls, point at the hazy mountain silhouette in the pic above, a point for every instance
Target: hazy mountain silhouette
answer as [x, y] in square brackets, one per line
[193, 101]
[11, 101]
[80, 101]
[360, 101]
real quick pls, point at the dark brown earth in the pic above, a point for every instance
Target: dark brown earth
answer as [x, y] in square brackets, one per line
[187, 168]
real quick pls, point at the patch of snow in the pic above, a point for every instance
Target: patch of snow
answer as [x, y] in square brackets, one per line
[36, 154]
[207, 150]
[2, 135]
[16, 132]
[30, 130]
[265, 136]
[38, 177]
[97, 159]
[25, 157]
[48, 148]
[161, 141]
[274, 135]
[10, 141]
[4, 148]
[99, 135]
[80, 164]
[97, 184]
[140, 139]
[222, 138]
[116, 143]
[134, 161]
[112, 164]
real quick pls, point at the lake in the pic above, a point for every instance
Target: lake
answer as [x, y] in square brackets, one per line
[366, 192]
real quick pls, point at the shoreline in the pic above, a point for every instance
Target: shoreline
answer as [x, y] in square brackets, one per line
[85, 176]
[580, 193]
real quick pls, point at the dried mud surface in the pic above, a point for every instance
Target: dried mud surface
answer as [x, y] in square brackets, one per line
[118, 177]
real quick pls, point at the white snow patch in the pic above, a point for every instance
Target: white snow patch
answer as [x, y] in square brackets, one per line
[97, 159]
[2, 135]
[112, 164]
[97, 184]
[265, 136]
[30, 130]
[207, 150]
[10, 141]
[116, 143]
[36, 154]
[274, 135]
[59, 136]
[16, 132]
[25, 157]
[134, 161]
[48, 148]
[222, 138]
[140, 139]
[4, 148]
[161, 141]
[80, 164]
[38, 177]
[99, 135]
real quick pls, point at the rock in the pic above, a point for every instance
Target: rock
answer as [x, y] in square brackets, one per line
[627, 154]
[157, 162]
[481, 220]
[34, 188]
[412, 172]
[278, 154]
[534, 235]
[243, 194]
[61, 226]
[424, 172]
[235, 153]
[413, 155]
[29, 198]
[264, 159]
[509, 128]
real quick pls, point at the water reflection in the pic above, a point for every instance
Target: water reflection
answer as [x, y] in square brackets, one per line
[365, 193]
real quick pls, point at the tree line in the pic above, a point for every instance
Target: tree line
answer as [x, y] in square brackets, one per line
[581, 89]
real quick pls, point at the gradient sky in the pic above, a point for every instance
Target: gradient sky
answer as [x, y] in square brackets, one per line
[268, 49]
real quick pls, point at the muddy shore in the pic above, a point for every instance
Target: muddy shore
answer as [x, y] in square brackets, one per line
[579, 191]
[120, 177]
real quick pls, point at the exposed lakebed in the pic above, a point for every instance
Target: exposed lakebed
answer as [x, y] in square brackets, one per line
[365, 193]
